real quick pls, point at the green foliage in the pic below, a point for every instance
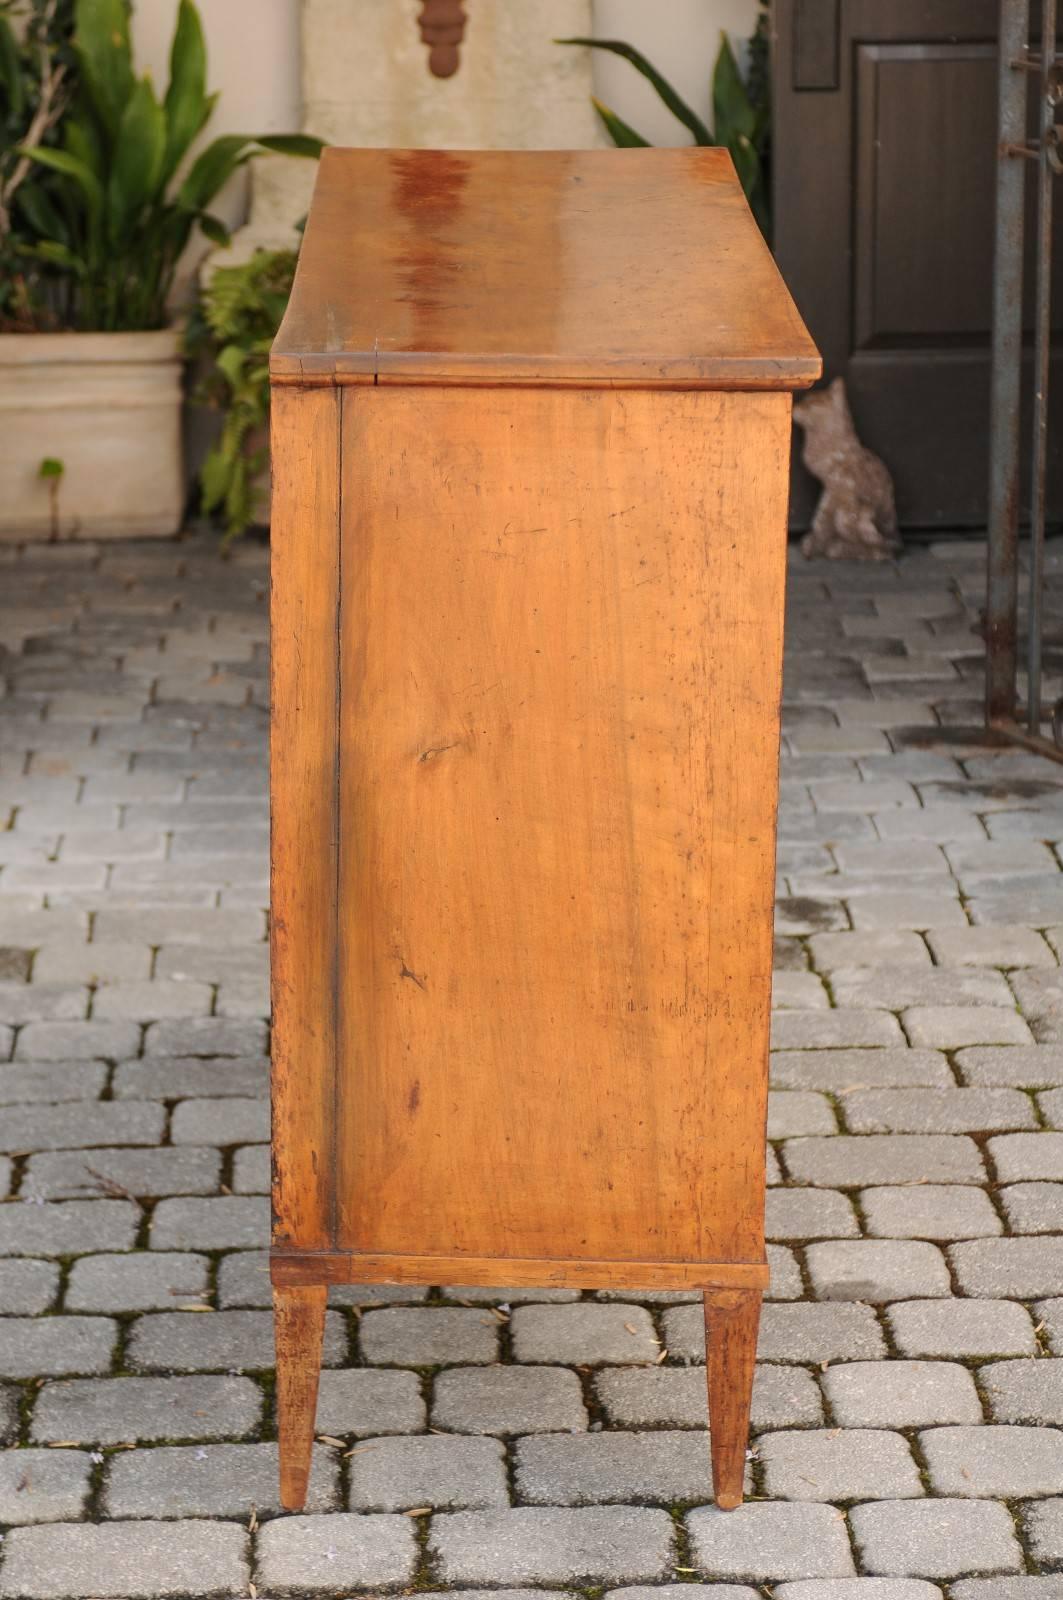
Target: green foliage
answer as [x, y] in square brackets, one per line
[38, 77]
[124, 214]
[741, 111]
[233, 327]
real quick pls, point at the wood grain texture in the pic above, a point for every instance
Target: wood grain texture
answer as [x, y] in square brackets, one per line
[560, 679]
[732, 1321]
[336, 1266]
[299, 1329]
[304, 597]
[502, 266]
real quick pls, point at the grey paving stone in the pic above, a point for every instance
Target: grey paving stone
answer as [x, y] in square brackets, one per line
[125, 1559]
[769, 1542]
[1049, 1315]
[116, 1410]
[175, 1077]
[896, 947]
[962, 1328]
[236, 1121]
[785, 1274]
[909, 1394]
[833, 1030]
[64, 1041]
[798, 1111]
[218, 1480]
[788, 1333]
[42, 1002]
[144, 1172]
[314, 1555]
[508, 1400]
[990, 946]
[675, 1397]
[243, 1280]
[377, 1294]
[876, 1269]
[860, 1589]
[43, 1485]
[937, 1110]
[150, 1001]
[396, 1474]
[1017, 1269]
[1033, 1207]
[799, 991]
[216, 964]
[683, 1591]
[1043, 1588]
[951, 1027]
[27, 1287]
[176, 1341]
[861, 1160]
[143, 1281]
[167, 925]
[360, 1402]
[995, 1463]
[228, 1222]
[534, 1544]
[929, 1211]
[1036, 1066]
[842, 1071]
[594, 1468]
[838, 1465]
[896, 988]
[32, 1347]
[810, 1214]
[76, 1126]
[1035, 904]
[908, 908]
[1027, 1155]
[1024, 1391]
[49, 1081]
[206, 1036]
[106, 961]
[251, 1170]
[935, 1538]
[1044, 1530]
[422, 1336]
[583, 1334]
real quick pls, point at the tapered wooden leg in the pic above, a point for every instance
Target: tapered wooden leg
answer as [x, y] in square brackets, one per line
[732, 1321]
[299, 1327]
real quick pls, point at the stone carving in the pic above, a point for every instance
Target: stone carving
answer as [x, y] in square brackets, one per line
[856, 517]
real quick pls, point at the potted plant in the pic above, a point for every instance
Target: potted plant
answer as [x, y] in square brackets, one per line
[231, 329]
[95, 384]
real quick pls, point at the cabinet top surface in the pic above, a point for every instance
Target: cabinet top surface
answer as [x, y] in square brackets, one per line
[637, 267]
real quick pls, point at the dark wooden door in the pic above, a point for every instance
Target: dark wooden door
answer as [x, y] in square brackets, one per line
[885, 135]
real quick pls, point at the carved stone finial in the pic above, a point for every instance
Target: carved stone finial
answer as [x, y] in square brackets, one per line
[442, 25]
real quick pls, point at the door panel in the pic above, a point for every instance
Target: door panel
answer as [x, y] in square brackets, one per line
[884, 200]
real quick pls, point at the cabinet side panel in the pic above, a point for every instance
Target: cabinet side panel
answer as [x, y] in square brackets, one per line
[304, 601]
[560, 665]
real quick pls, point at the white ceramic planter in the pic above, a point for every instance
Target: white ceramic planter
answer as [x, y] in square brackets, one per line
[106, 405]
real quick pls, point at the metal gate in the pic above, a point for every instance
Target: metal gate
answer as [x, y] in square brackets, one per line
[1020, 68]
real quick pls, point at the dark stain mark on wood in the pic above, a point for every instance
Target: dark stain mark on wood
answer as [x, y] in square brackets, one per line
[437, 750]
[415, 977]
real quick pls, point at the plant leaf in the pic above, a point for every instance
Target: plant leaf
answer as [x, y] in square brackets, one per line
[138, 156]
[86, 180]
[214, 229]
[216, 164]
[101, 39]
[675, 103]
[187, 103]
[291, 144]
[622, 135]
[732, 108]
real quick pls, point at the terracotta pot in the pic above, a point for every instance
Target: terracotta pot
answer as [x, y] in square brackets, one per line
[108, 407]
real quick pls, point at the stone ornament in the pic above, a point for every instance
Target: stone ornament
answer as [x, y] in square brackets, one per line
[856, 518]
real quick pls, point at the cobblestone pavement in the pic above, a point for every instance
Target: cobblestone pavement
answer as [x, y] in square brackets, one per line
[909, 1404]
